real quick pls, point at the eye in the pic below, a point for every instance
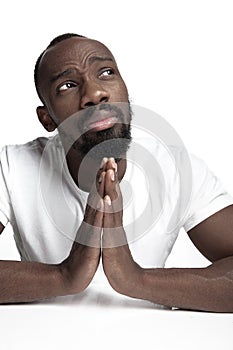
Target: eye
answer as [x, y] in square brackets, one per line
[106, 73]
[66, 86]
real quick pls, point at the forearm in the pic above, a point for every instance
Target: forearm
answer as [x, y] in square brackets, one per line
[29, 281]
[206, 289]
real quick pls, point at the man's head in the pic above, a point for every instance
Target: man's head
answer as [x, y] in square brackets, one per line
[76, 74]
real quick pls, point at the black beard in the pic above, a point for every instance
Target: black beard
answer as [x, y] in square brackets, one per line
[113, 142]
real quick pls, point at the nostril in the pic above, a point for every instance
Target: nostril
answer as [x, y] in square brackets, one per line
[89, 104]
[104, 99]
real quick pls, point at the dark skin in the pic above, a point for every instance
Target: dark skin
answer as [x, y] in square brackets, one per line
[88, 81]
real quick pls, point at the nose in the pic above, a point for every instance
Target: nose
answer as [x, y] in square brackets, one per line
[93, 94]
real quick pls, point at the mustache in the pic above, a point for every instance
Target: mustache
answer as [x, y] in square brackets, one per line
[87, 114]
[76, 126]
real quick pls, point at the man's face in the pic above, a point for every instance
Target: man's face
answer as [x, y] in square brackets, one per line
[79, 76]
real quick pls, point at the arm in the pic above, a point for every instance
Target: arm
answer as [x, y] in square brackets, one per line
[30, 281]
[207, 289]
[1, 227]
[22, 281]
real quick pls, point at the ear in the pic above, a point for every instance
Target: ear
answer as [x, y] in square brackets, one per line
[45, 119]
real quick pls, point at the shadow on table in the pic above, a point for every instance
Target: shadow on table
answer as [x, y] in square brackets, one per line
[102, 297]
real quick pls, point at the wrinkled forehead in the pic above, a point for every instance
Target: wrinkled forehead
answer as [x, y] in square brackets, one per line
[73, 51]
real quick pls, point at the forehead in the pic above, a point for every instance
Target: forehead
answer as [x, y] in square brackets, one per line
[74, 50]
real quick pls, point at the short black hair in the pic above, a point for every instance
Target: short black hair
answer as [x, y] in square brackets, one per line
[55, 41]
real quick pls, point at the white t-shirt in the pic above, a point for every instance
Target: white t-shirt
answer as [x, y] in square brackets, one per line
[163, 190]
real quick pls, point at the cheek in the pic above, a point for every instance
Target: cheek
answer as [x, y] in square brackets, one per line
[63, 107]
[125, 91]
[120, 92]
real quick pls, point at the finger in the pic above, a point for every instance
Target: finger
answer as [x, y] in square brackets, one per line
[111, 164]
[97, 190]
[112, 189]
[94, 209]
[103, 163]
[102, 168]
[106, 164]
[110, 184]
[100, 177]
[100, 183]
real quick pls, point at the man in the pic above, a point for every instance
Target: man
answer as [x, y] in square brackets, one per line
[77, 80]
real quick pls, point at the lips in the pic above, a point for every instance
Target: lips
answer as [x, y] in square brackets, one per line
[101, 120]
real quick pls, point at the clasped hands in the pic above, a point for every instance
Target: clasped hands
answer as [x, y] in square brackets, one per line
[103, 222]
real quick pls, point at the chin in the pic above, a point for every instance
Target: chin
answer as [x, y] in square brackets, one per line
[112, 142]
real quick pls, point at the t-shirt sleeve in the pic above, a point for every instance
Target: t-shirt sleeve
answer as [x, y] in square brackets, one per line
[208, 195]
[5, 206]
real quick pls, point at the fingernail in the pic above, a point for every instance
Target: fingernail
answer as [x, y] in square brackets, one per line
[107, 199]
[114, 164]
[104, 161]
[112, 175]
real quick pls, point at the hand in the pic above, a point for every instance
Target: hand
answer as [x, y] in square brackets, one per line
[80, 267]
[123, 274]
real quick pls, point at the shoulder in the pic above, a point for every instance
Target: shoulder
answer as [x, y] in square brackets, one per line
[28, 152]
[14, 158]
[208, 194]
[204, 181]
[31, 146]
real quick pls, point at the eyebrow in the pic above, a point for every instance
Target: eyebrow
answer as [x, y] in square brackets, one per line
[100, 58]
[65, 73]
[70, 71]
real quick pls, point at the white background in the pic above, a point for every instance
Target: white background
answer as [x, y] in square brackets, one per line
[175, 56]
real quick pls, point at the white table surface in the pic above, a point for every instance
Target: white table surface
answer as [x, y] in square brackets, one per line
[99, 318]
